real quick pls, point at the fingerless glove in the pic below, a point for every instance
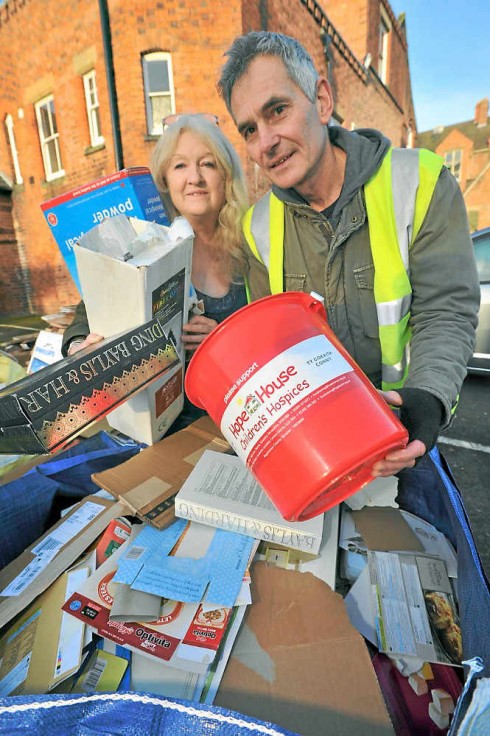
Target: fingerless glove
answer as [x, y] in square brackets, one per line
[422, 414]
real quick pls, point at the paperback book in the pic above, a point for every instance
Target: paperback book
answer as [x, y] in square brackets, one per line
[221, 492]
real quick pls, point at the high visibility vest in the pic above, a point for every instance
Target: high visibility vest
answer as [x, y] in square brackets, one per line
[397, 199]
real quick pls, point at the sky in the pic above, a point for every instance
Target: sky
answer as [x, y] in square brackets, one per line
[449, 57]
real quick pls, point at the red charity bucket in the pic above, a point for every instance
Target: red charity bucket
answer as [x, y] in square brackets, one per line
[292, 403]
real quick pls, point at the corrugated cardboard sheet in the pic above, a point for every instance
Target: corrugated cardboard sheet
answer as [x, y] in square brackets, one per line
[298, 661]
[148, 482]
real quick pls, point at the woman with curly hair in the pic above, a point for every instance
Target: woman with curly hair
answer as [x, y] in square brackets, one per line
[198, 174]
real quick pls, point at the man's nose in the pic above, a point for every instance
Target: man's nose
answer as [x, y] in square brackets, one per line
[268, 139]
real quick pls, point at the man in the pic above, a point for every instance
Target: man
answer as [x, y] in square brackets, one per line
[381, 233]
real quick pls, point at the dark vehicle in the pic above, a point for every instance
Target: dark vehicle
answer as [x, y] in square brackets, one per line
[480, 362]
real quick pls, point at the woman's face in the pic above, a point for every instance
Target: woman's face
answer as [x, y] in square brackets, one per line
[195, 184]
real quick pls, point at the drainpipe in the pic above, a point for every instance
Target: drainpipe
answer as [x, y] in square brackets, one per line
[111, 82]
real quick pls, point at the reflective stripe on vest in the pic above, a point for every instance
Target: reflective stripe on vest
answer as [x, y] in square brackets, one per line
[263, 227]
[397, 200]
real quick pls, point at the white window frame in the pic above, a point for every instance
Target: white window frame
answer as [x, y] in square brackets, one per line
[383, 44]
[92, 107]
[156, 127]
[50, 139]
[453, 160]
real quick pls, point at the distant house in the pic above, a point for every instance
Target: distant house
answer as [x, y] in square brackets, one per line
[465, 148]
[85, 96]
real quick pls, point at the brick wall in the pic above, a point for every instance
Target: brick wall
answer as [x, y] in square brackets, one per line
[13, 295]
[355, 33]
[65, 41]
[50, 66]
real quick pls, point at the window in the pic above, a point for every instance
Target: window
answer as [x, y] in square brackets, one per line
[92, 104]
[159, 89]
[49, 138]
[452, 160]
[384, 36]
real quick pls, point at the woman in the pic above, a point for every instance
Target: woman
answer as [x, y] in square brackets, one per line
[199, 176]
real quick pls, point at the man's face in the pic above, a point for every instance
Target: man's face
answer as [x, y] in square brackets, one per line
[284, 132]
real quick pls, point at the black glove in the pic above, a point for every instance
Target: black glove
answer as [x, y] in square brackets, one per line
[422, 414]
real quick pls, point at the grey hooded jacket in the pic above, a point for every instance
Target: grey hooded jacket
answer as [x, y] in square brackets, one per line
[332, 256]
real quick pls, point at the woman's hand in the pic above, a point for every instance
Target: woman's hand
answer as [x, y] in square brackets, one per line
[77, 345]
[398, 459]
[196, 330]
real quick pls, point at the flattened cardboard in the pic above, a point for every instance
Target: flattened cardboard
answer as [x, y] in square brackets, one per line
[147, 482]
[10, 606]
[299, 663]
[47, 636]
[44, 411]
[385, 529]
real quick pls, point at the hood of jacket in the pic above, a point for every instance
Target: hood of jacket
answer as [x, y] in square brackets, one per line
[365, 149]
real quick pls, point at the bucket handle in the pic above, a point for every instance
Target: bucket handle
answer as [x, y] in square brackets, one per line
[317, 304]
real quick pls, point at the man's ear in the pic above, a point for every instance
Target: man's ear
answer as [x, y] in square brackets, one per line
[324, 100]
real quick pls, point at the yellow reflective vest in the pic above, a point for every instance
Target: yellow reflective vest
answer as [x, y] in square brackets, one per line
[397, 199]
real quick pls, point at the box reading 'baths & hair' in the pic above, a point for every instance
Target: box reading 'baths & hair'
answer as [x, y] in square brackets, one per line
[44, 411]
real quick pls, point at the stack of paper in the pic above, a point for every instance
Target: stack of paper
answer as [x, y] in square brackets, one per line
[172, 597]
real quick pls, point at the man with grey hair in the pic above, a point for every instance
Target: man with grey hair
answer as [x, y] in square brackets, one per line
[381, 233]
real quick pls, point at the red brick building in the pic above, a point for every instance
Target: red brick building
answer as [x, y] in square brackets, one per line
[84, 94]
[465, 148]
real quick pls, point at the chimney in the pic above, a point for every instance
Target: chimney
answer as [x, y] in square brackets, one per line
[481, 112]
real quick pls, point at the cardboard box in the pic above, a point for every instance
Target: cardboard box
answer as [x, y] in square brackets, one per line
[131, 191]
[298, 661]
[153, 281]
[42, 563]
[44, 646]
[45, 410]
[148, 482]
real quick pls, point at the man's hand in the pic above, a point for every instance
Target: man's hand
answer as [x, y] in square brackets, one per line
[77, 345]
[196, 330]
[422, 414]
[399, 459]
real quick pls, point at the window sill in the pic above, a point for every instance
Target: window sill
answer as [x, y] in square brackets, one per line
[93, 149]
[55, 177]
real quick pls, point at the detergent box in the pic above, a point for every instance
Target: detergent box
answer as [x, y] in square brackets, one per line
[130, 191]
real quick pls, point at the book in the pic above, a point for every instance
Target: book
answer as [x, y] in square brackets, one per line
[221, 492]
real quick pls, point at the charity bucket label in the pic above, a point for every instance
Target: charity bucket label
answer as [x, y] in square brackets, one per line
[273, 400]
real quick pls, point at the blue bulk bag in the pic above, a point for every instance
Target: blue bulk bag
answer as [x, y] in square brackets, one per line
[428, 491]
[123, 714]
[32, 503]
